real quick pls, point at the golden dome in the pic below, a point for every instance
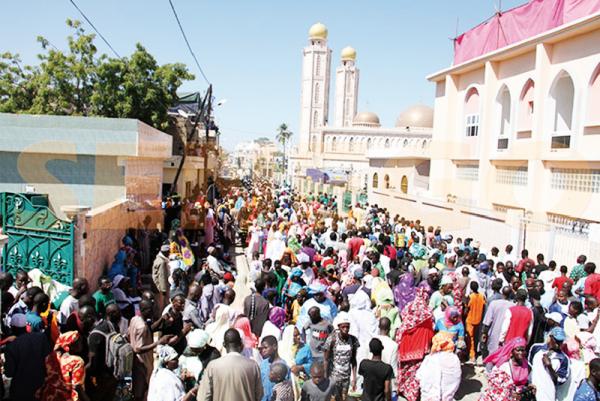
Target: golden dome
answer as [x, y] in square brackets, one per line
[416, 116]
[366, 119]
[318, 31]
[348, 53]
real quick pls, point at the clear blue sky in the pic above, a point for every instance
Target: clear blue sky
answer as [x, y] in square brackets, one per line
[251, 49]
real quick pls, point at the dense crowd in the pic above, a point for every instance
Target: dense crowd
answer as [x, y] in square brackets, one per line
[368, 305]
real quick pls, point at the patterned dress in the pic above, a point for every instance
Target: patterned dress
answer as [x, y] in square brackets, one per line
[414, 341]
[500, 387]
[64, 372]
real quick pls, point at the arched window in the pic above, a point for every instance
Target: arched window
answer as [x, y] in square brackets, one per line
[315, 119]
[593, 102]
[472, 112]
[526, 110]
[375, 180]
[369, 143]
[334, 144]
[404, 184]
[405, 143]
[386, 181]
[387, 143]
[317, 93]
[314, 144]
[318, 66]
[351, 145]
[562, 96]
[503, 105]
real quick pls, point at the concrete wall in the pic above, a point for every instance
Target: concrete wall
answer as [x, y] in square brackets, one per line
[103, 228]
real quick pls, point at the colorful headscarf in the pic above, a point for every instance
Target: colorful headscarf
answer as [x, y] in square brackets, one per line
[504, 353]
[277, 316]
[65, 340]
[442, 342]
[404, 291]
[243, 325]
[450, 312]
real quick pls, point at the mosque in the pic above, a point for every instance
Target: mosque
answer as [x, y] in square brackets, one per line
[353, 152]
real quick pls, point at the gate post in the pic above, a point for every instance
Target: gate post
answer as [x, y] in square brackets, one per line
[76, 214]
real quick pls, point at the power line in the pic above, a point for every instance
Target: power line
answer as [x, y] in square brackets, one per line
[95, 29]
[187, 42]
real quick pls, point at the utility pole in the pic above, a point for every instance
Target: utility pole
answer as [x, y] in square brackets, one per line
[200, 115]
[207, 125]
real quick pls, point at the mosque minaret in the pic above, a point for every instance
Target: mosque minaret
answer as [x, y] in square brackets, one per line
[316, 73]
[346, 88]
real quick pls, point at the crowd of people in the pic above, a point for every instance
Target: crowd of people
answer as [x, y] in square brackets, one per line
[365, 305]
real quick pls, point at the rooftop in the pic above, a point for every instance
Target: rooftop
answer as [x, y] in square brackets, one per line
[99, 136]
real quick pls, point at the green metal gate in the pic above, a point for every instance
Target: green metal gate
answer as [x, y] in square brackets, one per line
[37, 239]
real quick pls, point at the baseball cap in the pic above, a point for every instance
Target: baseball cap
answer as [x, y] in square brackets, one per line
[555, 316]
[358, 274]
[558, 334]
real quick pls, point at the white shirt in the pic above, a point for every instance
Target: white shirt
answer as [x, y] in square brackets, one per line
[548, 276]
[68, 306]
[540, 378]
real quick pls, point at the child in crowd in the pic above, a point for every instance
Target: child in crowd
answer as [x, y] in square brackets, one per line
[282, 390]
[475, 307]
[318, 388]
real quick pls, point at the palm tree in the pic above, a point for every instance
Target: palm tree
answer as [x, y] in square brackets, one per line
[283, 137]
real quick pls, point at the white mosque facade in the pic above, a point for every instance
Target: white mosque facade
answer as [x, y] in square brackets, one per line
[352, 153]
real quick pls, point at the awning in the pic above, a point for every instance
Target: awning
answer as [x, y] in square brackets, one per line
[315, 174]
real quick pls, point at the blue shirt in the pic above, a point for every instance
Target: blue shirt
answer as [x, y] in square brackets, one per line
[265, 369]
[585, 392]
[458, 330]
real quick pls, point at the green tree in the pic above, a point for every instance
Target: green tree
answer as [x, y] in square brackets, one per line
[81, 82]
[283, 137]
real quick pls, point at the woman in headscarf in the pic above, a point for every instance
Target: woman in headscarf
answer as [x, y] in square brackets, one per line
[118, 266]
[275, 324]
[509, 376]
[384, 307]
[363, 324]
[165, 384]
[404, 291]
[451, 323]
[414, 339]
[217, 329]
[296, 354]
[440, 373]
[242, 324]
[197, 356]
[65, 371]
[577, 370]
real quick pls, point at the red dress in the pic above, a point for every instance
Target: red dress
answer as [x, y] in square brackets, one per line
[64, 372]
